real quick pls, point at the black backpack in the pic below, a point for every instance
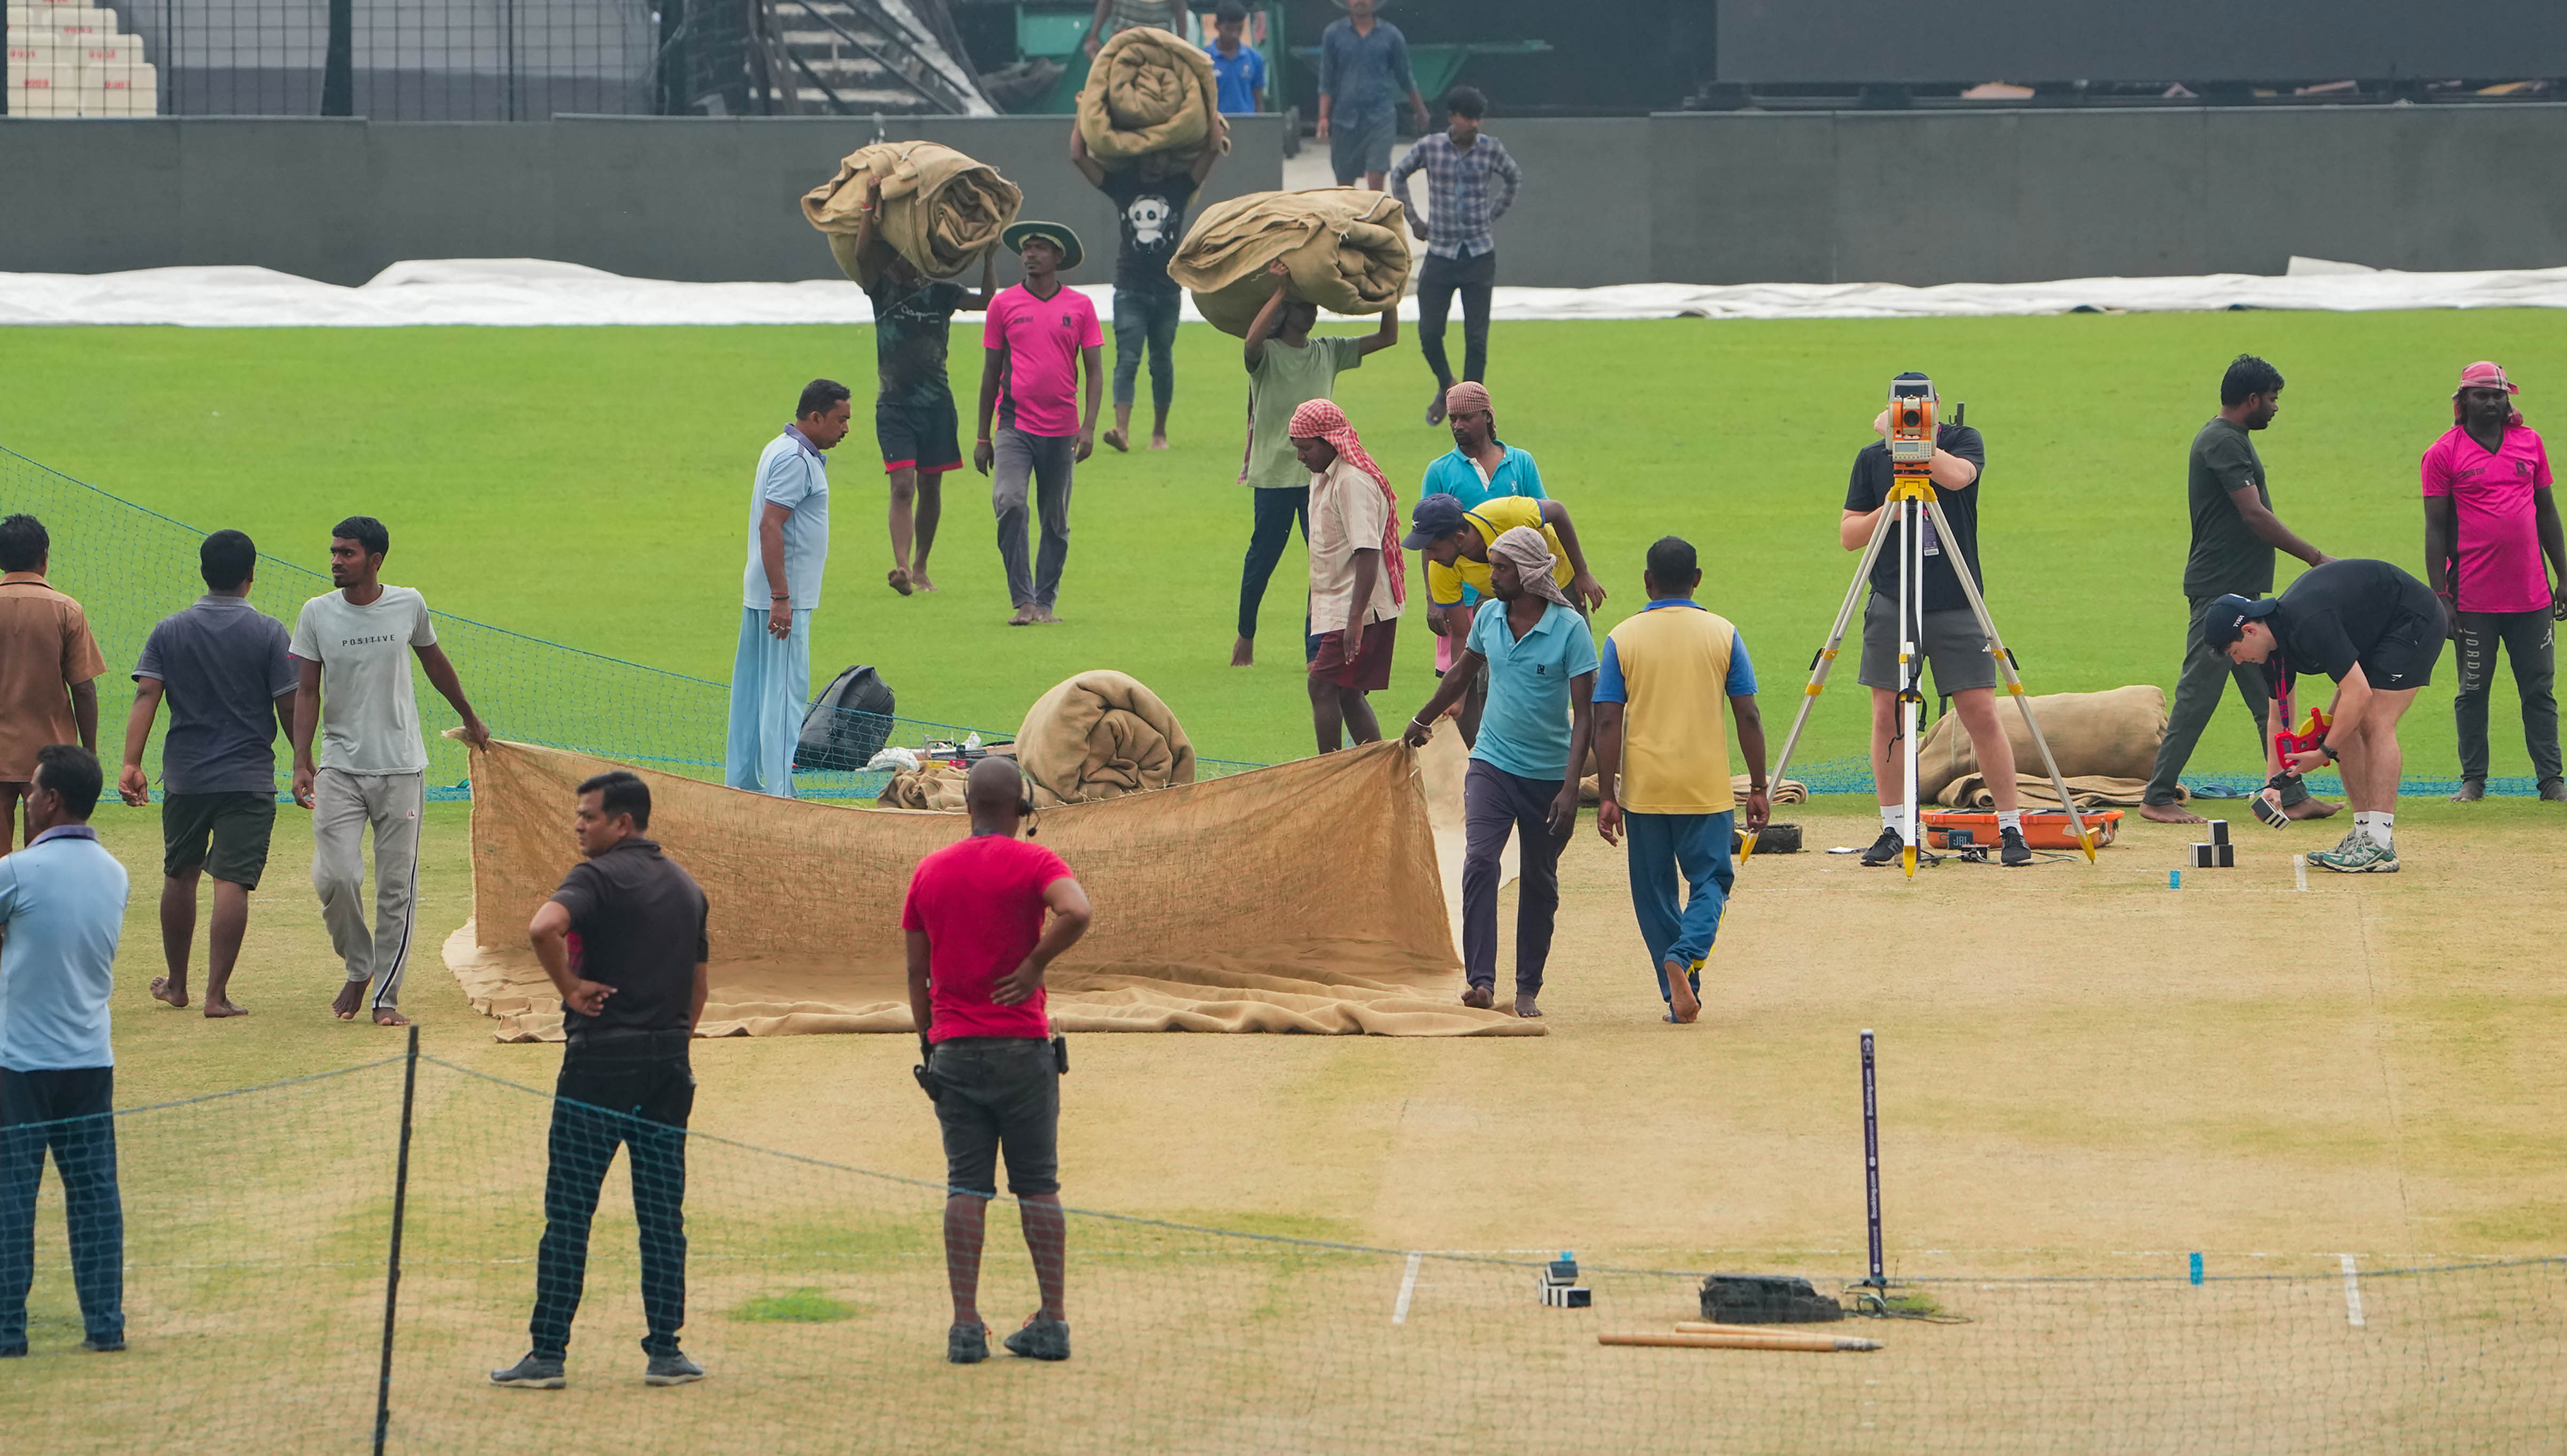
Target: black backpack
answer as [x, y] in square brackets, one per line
[847, 724]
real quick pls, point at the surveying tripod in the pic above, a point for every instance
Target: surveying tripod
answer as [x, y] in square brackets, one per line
[1911, 505]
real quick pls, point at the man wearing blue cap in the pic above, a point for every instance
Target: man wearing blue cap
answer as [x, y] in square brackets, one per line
[2377, 632]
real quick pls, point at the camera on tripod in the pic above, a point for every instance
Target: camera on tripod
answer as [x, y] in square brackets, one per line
[1911, 420]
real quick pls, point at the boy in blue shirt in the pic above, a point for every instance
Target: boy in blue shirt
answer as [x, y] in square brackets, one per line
[1238, 69]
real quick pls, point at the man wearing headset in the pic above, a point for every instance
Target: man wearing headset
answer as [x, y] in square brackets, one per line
[978, 947]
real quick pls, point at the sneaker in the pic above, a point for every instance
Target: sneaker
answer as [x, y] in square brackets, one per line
[671, 1368]
[2015, 851]
[2351, 838]
[966, 1344]
[2472, 790]
[1041, 1339]
[2554, 791]
[534, 1372]
[1884, 850]
[106, 1345]
[2363, 857]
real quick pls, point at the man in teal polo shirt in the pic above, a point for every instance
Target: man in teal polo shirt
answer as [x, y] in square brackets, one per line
[1480, 468]
[1541, 662]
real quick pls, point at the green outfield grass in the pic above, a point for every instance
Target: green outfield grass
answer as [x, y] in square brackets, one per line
[587, 484]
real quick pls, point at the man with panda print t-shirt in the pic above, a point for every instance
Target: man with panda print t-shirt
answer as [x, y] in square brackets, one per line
[1150, 213]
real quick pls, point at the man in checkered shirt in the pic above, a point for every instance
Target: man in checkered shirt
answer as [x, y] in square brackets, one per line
[1471, 181]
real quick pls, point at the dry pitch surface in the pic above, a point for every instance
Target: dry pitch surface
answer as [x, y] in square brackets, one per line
[2082, 1073]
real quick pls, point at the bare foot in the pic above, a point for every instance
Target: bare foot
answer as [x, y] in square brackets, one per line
[1435, 408]
[1525, 1007]
[900, 580]
[218, 1007]
[163, 992]
[1116, 438]
[1026, 617]
[918, 581]
[1242, 653]
[389, 1017]
[1045, 617]
[2170, 813]
[2312, 808]
[1158, 441]
[344, 1004]
[1479, 998]
[1681, 994]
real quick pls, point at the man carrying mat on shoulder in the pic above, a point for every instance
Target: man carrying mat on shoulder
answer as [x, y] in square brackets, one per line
[1541, 665]
[2377, 632]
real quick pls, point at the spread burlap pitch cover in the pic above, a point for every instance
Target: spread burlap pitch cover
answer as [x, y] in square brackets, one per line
[1304, 896]
[1347, 249]
[940, 209]
[1151, 102]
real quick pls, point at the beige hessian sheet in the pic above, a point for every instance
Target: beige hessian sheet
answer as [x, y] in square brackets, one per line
[1304, 897]
[940, 210]
[1099, 735]
[2109, 735]
[1347, 248]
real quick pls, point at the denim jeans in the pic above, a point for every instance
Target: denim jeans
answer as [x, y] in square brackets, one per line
[1278, 508]
[1145, 318]
[635, 1089]
[1437, 281]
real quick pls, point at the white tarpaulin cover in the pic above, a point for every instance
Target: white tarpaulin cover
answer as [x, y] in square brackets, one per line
[527, 292]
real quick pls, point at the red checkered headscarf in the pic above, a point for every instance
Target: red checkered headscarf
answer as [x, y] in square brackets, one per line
[1322, 420]
[2486, 374]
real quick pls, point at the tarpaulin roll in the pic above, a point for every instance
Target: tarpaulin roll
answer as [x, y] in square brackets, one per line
[1150, 103]
[1347, 249]
[940, 209]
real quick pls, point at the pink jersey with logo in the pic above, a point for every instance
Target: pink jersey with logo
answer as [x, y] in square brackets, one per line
[2500, 569]
[1038, 391]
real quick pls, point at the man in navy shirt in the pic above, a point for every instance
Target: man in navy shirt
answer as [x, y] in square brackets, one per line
[1363, 71]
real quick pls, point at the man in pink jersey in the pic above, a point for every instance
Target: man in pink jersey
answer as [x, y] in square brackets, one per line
[2489, 523]
[977, 948]
[1038, 335]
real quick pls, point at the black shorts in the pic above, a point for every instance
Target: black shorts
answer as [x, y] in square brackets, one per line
[224, 833]
[997, 1092]
[927, 438]
[2405, 655]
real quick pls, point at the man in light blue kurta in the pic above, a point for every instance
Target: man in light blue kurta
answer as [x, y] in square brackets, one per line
[788, 550]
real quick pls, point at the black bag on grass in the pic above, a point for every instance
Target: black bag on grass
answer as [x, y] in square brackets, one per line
[847, 726]
[1765, 1298]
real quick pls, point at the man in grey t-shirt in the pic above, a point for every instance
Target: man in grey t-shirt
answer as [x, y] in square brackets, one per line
[222, 666]
[373, 763]
[2234, 535]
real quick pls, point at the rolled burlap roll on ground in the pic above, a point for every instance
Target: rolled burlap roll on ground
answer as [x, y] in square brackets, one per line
[1347, 249]
[940, 209]
[1150, 103]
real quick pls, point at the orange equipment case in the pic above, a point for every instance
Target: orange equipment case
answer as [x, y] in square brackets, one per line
[2045, 829]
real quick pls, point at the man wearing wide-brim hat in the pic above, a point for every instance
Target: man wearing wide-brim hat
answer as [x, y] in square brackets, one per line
[1038, 335]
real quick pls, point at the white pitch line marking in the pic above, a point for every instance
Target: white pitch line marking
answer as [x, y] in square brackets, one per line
[2300, 870]
[2352, 1292]
[1409, 1291]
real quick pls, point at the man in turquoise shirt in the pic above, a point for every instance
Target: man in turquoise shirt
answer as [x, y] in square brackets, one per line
[1540, 664]
[1481, 469]
[62, 906]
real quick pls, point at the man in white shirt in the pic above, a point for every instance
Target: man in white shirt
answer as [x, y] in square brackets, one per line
[788, 550]
[1358, 576]
[373, 762]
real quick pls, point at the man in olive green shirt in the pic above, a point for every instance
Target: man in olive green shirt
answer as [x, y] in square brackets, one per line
[2234, 535]
[1286, 369]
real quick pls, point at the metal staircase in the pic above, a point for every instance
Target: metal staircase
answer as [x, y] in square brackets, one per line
[864, 56]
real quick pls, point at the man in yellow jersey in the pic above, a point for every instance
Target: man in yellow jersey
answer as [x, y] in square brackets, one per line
[1455, 543]
[1662, 764]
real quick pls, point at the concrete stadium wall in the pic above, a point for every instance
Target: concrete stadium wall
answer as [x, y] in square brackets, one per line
[1717, 197]
[685, 199]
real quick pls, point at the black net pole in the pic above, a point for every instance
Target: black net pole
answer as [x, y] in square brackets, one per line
[401, 1200]
[1871, 1165]
[339, 68]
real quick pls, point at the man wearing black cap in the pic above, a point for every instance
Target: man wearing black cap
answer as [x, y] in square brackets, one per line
[624, 942]
[2377, 632]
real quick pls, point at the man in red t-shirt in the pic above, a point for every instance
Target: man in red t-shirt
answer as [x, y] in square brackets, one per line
[977, 946]
[2489, 522]
[1040, 334]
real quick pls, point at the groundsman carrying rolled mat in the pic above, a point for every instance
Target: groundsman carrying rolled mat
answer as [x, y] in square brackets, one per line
[1347, 249]
[1101, 735]
[1150, 103]
[940, 209]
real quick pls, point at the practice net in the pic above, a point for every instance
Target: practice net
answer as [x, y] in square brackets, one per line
[258, 1227]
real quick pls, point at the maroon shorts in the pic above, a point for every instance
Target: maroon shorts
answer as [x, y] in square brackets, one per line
[1371, 670]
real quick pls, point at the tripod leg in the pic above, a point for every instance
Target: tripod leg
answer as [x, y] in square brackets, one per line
[2013, 682]
[1912, 670]
[1827, 654]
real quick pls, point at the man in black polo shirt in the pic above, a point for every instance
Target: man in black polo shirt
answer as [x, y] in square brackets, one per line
[2377, 632]
[1949, 634]
[624, 940]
